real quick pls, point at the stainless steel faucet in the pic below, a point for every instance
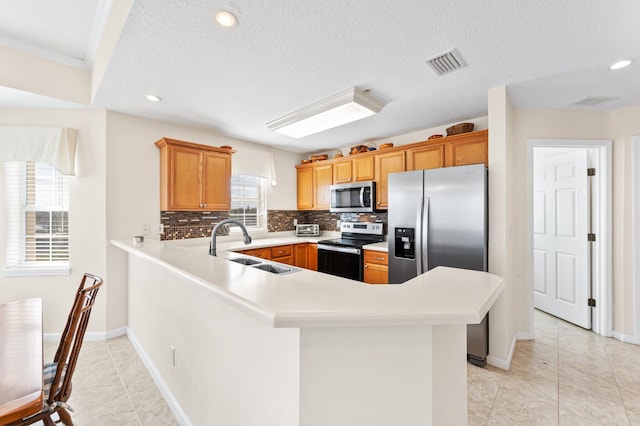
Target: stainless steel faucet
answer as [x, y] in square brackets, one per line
[212, 245]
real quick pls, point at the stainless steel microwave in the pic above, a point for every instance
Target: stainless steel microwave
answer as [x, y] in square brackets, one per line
[353, 197]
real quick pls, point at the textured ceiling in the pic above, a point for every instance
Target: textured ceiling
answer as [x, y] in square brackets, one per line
[286, 54]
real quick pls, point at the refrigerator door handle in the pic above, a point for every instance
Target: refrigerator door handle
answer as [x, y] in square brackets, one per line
[418, 236]
[362, 197]
[425, 235]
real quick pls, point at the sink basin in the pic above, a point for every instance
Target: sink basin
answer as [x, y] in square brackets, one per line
[245, 261]
[264, 265]
[274, 268]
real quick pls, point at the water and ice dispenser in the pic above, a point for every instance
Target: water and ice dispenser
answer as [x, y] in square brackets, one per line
[405, 243]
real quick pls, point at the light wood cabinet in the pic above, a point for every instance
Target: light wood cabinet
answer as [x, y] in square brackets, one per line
[314, 179]
[431, 156]
[305, 187]
[322, 180]
[343, 171]
[194, 177]
[313, 182]
[282, 254]
[312, 256]
[262, 253]
[473, 149]
[301, 255]
[391, 162]
[359, 169]
[376, 269]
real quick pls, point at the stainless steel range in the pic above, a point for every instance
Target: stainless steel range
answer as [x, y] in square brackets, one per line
[343, 256]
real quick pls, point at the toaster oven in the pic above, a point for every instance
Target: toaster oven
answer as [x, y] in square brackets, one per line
[308, 230]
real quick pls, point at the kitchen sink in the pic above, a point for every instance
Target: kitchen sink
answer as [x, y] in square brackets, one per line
[275, 269]
[245, 261]
[264, 265]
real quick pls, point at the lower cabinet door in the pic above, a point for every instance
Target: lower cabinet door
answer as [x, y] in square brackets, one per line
[376, 274]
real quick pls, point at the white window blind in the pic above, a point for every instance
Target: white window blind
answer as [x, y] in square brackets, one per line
[248, 201]
[36, 219]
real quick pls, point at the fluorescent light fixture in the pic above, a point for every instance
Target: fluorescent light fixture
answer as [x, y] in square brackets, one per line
[342, 108]
[620, 64]
[225, 18]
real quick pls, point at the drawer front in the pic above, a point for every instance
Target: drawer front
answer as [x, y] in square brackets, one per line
[263, 253]
[281, 251]
[377, 257]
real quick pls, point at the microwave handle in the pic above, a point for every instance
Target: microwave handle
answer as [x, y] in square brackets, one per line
[362, 197]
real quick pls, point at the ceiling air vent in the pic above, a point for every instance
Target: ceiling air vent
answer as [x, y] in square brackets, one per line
[593, 101]
[447, 62]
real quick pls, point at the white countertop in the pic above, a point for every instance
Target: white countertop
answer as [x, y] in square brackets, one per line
[313, 299]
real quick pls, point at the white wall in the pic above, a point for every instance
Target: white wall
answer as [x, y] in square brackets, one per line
[618, 126]
[133, 187]
[116, 189]
[87, 213]
[625, 123]
[502, 329]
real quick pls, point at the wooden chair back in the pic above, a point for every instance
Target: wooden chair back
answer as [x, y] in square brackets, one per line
[72, 337]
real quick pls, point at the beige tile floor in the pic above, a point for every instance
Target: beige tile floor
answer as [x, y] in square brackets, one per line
[112, 387]
[567, 376]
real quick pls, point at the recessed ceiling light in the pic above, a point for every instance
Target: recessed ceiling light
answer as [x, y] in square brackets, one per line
[226, 18]
[153, 98]
[620, 64]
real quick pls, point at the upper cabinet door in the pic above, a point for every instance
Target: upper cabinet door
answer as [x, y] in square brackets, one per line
[363, 169]
[343, 171]
[216, 181]
[184, 179]
[468, 148]
[426, 157]
[391, 162]
[193, 176]
[322, 180]
[305, 187]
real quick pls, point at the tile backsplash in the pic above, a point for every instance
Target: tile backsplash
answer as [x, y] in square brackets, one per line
[181, 225]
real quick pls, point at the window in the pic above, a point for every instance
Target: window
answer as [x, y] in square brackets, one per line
[36, 219]
[249, 201]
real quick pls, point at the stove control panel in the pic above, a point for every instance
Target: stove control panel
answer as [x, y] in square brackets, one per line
[368, 228]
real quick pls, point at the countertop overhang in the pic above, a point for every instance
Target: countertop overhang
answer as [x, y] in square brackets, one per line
[313, 299]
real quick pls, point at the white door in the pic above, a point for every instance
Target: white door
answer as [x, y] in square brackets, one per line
[561, 264]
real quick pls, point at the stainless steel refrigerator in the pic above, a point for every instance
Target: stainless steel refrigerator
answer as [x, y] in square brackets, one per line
[438, 217]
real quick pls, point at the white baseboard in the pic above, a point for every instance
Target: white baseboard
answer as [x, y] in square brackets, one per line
[626, 338]
[93, 336]
[503, 364]
[173, 404]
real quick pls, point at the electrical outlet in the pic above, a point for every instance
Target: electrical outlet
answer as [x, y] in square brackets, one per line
[160, 228]
[295, 222]
[145, 229]
[338, 224]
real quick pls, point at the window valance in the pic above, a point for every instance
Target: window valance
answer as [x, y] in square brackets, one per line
[254, 162]
[51, 145]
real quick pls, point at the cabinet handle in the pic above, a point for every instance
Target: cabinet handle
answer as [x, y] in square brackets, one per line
[379, 258]
[366, 266]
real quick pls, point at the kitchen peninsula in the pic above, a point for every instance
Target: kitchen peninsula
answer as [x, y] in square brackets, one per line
[234, 345]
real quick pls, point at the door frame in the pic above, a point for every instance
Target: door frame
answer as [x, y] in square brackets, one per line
[635, 168]
[601, 321]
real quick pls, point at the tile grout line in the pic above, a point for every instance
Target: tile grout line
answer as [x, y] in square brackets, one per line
[615, 378]
[124, 386]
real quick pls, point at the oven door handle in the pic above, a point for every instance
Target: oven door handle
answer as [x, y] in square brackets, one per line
[351, 250]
